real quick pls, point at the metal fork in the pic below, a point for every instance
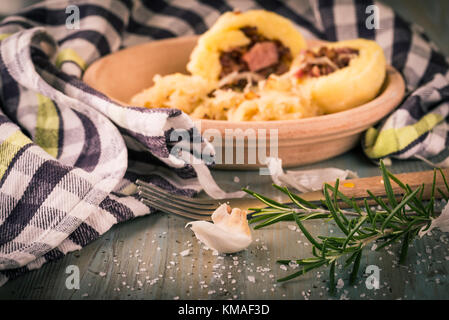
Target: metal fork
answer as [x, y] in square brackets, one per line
[197, 208]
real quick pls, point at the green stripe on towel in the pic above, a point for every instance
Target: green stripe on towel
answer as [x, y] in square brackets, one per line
[4, 36]
[9, 148]
[69, 54]
[379, 145]
[47, 126]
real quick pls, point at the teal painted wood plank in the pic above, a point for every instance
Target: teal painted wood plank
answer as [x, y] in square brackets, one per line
[140, 259]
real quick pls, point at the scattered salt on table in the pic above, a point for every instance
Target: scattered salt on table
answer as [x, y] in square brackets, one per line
[340, 283]
[185, 252]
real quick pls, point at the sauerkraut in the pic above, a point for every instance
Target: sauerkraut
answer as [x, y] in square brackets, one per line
[178, 91]
[277, 98]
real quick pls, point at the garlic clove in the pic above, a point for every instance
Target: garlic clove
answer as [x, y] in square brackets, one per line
[229, 232]
[232, 220]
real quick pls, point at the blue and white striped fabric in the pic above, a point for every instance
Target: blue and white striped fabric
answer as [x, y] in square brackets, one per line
[69, 155]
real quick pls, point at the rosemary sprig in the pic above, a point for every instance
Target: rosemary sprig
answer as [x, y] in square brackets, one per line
[396, 221]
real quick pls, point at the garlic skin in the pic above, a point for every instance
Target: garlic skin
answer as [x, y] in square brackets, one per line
[305, 180]
[441, 222]
[229, 232]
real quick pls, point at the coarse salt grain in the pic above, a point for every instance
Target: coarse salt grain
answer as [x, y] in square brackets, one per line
[340, 283]
[185, 252]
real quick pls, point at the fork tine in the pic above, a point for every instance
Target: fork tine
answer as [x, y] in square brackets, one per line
[175, 211]
[146, 186]
[164, 201]
[175, 206]
[148, 193]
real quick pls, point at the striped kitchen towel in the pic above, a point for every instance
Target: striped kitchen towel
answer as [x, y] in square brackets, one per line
[69, 156]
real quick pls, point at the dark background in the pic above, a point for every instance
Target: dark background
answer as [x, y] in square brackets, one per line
[432, 15]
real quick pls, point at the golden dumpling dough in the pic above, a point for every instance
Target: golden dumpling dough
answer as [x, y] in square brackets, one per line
[225, 35]
[350, 86]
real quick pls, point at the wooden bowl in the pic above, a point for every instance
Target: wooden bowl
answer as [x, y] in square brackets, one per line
[122, 74]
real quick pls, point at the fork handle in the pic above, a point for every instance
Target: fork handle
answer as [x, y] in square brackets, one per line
[357, 187]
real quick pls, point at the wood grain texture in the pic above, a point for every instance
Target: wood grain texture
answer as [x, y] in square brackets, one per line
[356, 188]
[131, 255]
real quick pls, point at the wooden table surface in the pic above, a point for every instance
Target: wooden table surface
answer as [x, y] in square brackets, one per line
[140, 259]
